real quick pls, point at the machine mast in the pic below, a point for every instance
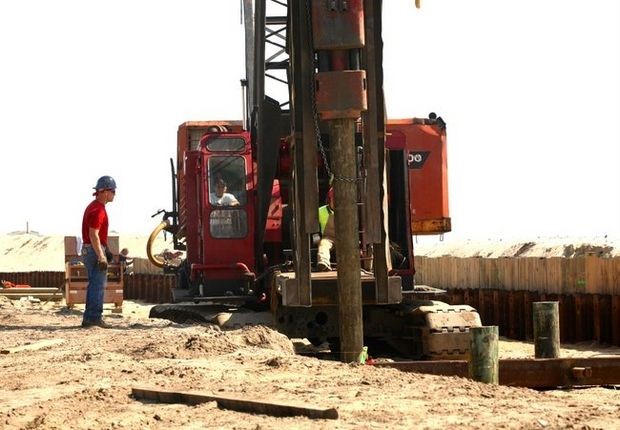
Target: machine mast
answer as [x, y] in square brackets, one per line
[332, 54]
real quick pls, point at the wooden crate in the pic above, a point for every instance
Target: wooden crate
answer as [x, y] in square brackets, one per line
[77, 283]
[76, 275]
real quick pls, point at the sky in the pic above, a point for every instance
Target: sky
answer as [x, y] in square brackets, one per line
[530, 91]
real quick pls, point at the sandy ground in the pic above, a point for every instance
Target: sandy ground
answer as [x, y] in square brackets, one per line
[85, 382]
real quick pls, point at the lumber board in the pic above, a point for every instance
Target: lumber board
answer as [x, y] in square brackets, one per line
[29, 291]
[280, 409]
[32, 346]
[45, 297]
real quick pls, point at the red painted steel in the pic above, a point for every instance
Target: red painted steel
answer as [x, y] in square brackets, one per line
[341, 94]
[204, 250]
[426, 146]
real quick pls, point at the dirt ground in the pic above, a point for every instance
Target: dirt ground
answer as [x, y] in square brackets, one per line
[85, 382]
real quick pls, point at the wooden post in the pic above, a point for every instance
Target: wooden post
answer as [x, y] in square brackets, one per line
[546, 330]
[342, 140]
[483, 363]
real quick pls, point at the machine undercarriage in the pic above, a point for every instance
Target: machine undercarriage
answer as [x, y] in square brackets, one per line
[419, 327]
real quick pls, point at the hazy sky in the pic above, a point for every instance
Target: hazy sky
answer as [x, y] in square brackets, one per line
[530, 91]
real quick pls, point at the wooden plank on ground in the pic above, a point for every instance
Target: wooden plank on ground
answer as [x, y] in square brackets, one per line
[32, 346]
[280, 409]
[29, 291]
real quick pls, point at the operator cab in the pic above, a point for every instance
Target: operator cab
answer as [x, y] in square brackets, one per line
[218, 214]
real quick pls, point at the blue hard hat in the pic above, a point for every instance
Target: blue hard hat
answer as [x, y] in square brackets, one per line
[105, 183]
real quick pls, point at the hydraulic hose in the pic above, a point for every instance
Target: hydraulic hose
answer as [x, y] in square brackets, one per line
[159, 262]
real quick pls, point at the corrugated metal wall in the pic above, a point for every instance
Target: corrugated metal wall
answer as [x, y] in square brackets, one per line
[152, 288]
[583, 317]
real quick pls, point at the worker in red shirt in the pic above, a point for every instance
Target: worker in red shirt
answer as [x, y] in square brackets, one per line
[95, 239]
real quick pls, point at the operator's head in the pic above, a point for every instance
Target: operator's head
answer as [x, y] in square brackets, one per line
[220, 187]
[105, 188]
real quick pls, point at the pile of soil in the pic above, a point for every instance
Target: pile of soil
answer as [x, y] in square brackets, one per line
[85, 382]
[539, 248]
[26, 252]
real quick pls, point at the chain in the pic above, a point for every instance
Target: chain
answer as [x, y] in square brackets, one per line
[315, 115]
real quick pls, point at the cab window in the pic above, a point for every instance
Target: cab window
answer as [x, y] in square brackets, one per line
[228, 223]
[227, 181]
[228, 144]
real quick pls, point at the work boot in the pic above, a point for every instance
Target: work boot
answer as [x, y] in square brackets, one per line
[98, 323]
[323, 267]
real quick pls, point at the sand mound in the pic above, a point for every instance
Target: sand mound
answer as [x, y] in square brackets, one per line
[209, 341]
[29, 252]
[540, 248]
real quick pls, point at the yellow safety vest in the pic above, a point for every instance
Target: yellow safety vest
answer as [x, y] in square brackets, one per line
[324, 213]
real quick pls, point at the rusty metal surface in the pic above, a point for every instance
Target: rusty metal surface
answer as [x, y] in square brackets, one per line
[583, 317]
[150, 288]
[304, 189]
[336, 26]
[341, 94]
[324, 289]
[431, 226]
[530, 373]
[37, 279]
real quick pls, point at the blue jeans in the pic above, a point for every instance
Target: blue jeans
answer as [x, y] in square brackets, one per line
[97, 281]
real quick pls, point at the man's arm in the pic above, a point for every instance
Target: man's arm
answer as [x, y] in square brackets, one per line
[232, 200]
[93, 234]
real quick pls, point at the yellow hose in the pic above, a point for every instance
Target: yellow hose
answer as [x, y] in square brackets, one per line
[159, 262]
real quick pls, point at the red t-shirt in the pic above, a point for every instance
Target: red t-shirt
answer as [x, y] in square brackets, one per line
[95, 217]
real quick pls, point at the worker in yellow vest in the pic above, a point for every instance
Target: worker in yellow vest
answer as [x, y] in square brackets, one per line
[328, 233]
